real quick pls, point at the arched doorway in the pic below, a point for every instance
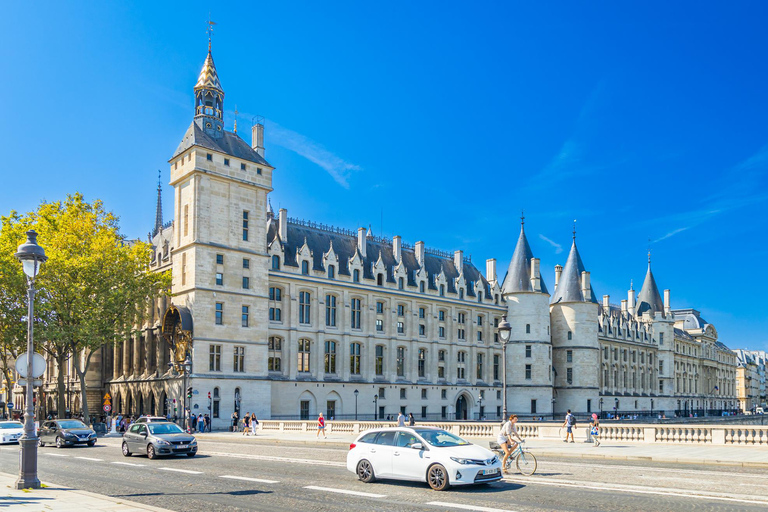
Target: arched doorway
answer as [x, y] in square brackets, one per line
[461, 407]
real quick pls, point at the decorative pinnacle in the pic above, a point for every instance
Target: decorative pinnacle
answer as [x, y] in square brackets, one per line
[574, 229]
[235, 130]
[522, 217]
[209, 30]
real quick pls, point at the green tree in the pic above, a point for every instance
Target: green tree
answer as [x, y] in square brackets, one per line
[94, 287]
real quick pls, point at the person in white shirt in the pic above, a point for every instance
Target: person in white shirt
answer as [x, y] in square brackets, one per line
[400, 419]
[508, 439]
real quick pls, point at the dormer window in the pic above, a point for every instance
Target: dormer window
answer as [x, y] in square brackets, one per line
[379, 280]
[331, 272]
[400, 283]
[442, 290]
[226, 162]
[421, 287]
[356, 275]
[305, 267]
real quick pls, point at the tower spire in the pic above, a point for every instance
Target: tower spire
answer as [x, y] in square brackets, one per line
[209, 30]
[574, 229]
[159, 207]
[209, 96]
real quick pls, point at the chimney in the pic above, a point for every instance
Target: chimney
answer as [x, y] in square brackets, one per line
[558, 271]
[397, 248]
[585, 286]
[606, 303]
[419, 250]
[283, 225]
[667, 305]
[458, 261]
[361, 236]
[257, 136]
[631, 301]
[624, 306]
[490, 269]
[535, 275]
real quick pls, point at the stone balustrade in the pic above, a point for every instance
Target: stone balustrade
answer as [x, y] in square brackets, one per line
[736, 435]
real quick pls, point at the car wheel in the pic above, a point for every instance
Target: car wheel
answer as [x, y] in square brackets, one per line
[40, 442]
[437, 477]
[59, 442]
[365, 471]
[126, 451]
[151, 452]
[92, 443]
[191, 454]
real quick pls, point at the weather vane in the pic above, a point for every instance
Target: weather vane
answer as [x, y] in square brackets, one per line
[209, 30]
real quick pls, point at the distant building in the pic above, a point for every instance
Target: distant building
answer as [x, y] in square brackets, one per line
[750, 379]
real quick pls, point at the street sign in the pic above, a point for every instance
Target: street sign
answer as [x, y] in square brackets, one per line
[35, 382]
[107, 397]
[107, 408]
[38, 365]
[10, 405]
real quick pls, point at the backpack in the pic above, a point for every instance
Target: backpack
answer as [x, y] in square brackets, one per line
[571, 420]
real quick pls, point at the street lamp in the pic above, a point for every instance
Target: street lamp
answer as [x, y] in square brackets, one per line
[651, 407]
[186, 368]
[376, 407]
[616, 407]
[601, 408]
[505, 330]
[31, 257]
[480, 407]
[356, 393]
[553, 408]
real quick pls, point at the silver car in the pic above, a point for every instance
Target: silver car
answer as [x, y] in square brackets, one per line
[158, 438]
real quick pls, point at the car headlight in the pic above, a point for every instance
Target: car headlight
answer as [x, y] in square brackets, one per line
[163, 442]
[68, 434]
[462, 461]
[193, 442]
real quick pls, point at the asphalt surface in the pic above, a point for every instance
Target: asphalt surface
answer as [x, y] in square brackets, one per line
[249, 474]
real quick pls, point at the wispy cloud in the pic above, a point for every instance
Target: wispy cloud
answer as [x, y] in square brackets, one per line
[671, 234]
[557, 246]
[339, 169]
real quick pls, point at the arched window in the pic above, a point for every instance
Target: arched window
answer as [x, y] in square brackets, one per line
[304, 355]
[305, 267]
[275, 262]
[379, 279]
[527, 328]
[216, 400]
[400, 283]
[330, 356]
[570, 335]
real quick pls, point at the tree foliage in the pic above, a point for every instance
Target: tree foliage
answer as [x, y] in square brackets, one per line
[93, 289]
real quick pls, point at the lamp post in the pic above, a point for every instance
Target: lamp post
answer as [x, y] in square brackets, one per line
[651, 407]
[480, 408]
[601, 408]
[376, 407]
[356, 393]
[186, 369]
[31, 257]
[553, 408]
[616, 407]
[505, 330]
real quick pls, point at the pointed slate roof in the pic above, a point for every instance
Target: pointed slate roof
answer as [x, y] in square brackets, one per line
[208, 78]
[229, 144]
[518, 278]
[649, 298]
[568, 289]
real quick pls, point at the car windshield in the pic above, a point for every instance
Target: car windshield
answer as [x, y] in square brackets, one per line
[441, 438]
[72, 424]
[164, 428]
[11, 425]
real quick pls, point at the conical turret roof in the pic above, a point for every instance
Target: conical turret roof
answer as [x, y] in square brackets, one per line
[518, 278]
[208, 78]
[649, 298]
[568, 288]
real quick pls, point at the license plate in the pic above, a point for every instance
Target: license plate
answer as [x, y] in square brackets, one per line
[182, 445]
[490, 471]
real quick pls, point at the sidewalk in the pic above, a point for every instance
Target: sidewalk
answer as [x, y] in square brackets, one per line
[62, 499]
[742, 456]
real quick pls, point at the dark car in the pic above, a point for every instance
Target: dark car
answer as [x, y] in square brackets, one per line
[158, 438]
[66, 433]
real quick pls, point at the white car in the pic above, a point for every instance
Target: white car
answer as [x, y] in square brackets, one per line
[10, 431]
[421, 454]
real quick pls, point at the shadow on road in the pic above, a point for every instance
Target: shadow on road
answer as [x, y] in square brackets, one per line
[22, 500]
[191, 493]
[463, 489]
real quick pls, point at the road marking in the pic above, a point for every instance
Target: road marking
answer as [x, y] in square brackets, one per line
[313, 462]
[182, 471]
[466, 507]
[344, 491]
[89, 458]
[128, 464]
[245, 478]
[57, 455]
[636, 490]
[656, 469]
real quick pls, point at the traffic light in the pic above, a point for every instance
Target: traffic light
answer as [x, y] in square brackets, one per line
[209, 395]
[189, 392]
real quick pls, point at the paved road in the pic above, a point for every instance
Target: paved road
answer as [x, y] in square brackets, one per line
[248, 474]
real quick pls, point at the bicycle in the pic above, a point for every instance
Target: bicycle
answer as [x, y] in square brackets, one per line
[525, 461]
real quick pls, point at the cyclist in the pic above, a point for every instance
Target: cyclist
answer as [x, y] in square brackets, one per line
[508, 439]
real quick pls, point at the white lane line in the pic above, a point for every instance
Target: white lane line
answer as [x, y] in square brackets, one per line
[247, 479]
[633, 490]
[466, 507]
[182, 471]
[128, 464]
[57, 455]
[291, 460]
[89, 458]
[344, 491]
[634, 469]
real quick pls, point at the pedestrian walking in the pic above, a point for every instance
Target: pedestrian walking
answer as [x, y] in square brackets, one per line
[321, 426]
[569, 424]
[411, 420]
[246, 423]
[254, 423]
[207, 423]
[594, 430]
[400, 419]
[235, 420]
[201, 423]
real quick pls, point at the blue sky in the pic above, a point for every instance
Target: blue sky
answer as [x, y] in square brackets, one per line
[644, 121]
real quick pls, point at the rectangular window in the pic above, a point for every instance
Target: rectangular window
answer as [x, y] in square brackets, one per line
[528, 351]
[382, 393]
[400, 328]
[379, 362]
[661, 367]
[569, 356]
[219, 279]
[441, 332]
[244, 317]
[304, 355]
[246, 263]
[239, 365]
[423, 412]
[354, 358]
[480, 366]
[661, 338]
[400, 361]
[424, 393]
[460, 368]
[242, 167]
[330, 310]
[569, 375]
[443, 394]
[186, 219]
[400, 310]
[461, 318]
[304, 410]
[226, 162]
[479, 321]
[219, 259]
[330, 357]
[214, 361]
[275, 314]
[422, 363]
[528, 372]
[209, 157]
[379, 308]
[245, 226]
[441, 315]
[495, 367]
[422, 313]
[533, 406]
[275, 294]
[379, 325]
[246, 282]
[443, 412]
[402, 393]
[219, 313]
[304, 307]
[479, 335]
[356, 312]
[422, 330]
[275, 354]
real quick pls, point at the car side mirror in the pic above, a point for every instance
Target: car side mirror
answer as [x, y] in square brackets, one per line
[417, 446]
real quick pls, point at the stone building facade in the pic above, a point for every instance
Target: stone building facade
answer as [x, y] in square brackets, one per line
[287, 318]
